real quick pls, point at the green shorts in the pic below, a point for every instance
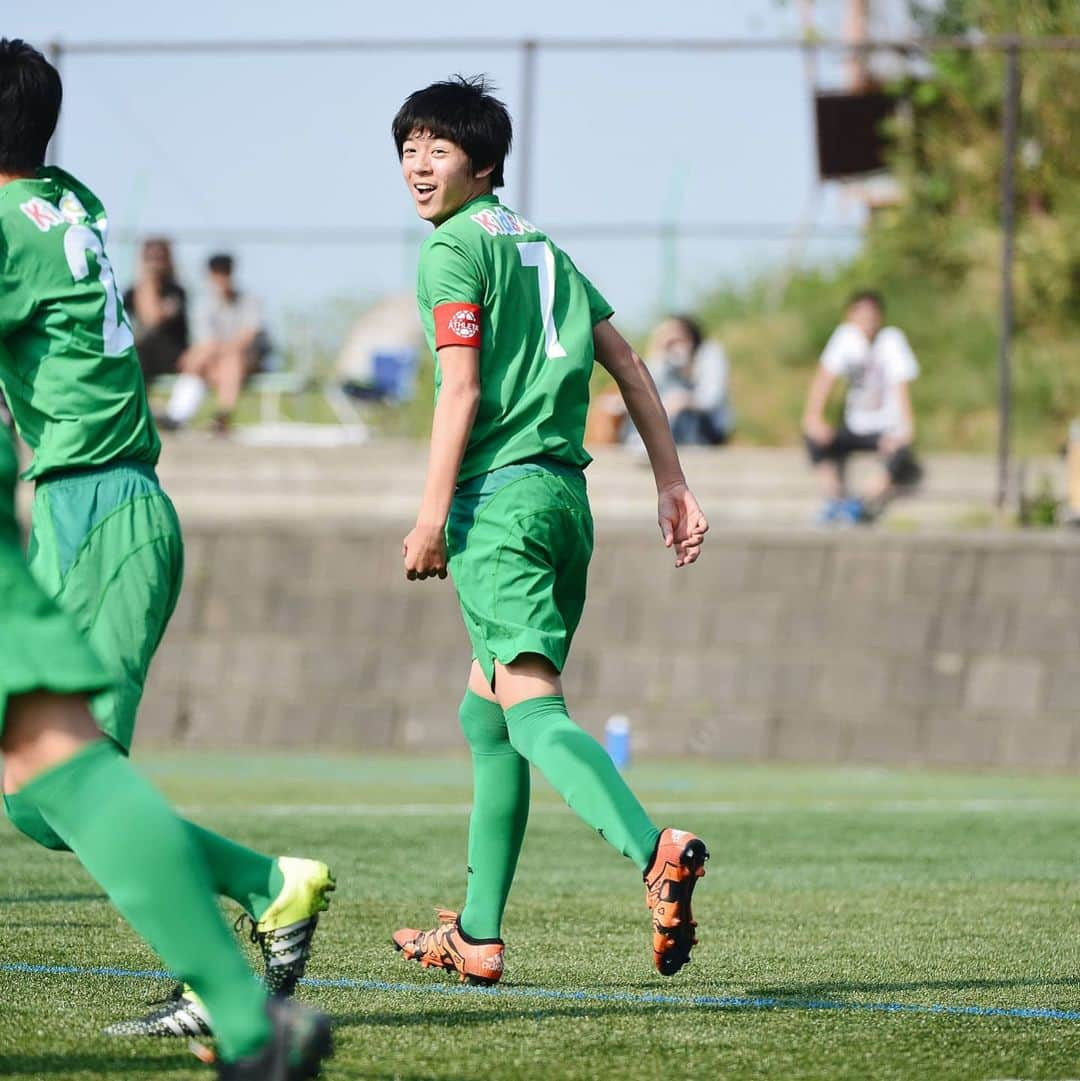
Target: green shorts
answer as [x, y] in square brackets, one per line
[520, 539]
[106, 546]
[40, 648]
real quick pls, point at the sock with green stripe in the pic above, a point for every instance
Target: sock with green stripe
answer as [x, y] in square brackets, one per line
[137, 849]
[500, 812]
[582, 772]
[247, 877]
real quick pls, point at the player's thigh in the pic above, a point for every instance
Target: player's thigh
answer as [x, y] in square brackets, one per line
[120, 583]
[572, 543]
[522, 571]
[42, 649]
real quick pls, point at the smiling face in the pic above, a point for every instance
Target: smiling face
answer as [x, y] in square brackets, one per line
[440, 176]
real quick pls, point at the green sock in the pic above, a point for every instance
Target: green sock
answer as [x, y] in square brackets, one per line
[249, 878]
[26, 818]
[137, 849]
[581, 771]
[500, 812]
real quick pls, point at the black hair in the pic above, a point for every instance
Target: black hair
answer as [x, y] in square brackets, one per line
[220, 263]
[30, 96]
[871, 296]
[692, 327]
[465, 112]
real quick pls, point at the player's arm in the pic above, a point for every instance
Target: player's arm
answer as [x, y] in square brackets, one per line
[907, 414]
[814, 422]
[682, 523]
[252, 325]
[424, 548]
[905, 433]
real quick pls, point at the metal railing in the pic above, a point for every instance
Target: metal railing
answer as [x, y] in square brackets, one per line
[1010, 45]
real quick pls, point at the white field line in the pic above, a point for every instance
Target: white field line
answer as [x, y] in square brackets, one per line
[438, 810]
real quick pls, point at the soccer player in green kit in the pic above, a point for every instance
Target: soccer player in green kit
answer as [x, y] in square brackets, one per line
[105, 542]
[60, 764]
[515, 329]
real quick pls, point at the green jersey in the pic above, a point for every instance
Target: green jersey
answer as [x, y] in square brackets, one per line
[68, 365]
[489, 278]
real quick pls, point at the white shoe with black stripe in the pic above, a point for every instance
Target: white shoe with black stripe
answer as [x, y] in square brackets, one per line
[181, 1014]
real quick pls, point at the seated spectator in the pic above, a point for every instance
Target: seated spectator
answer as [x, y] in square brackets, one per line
[877, 364]
[229, 344]
[157, 307]
[691, 375]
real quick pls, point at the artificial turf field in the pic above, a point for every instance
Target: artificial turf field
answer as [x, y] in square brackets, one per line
[854, 924]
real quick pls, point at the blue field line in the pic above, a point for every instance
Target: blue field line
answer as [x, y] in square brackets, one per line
[715, 1002]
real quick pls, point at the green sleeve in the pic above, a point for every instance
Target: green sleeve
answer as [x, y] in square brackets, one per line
[599, 308]
[448, 274]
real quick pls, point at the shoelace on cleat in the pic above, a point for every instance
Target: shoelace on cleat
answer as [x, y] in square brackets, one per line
[253, 931]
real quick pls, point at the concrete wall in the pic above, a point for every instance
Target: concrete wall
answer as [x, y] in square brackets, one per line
[956, 649]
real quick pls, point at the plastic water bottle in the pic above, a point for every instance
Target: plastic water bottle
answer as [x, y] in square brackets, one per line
[617, 740]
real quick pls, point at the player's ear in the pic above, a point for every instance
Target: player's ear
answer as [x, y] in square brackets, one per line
[483, 174]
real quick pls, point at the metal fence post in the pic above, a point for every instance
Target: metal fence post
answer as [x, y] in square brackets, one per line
[525, 132]
[1009, 125]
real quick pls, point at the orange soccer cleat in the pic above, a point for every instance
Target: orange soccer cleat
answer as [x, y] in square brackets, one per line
[446, 946]
[677, 864]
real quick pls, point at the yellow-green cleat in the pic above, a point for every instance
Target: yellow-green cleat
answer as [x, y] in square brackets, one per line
[283, 935]
[285, 930]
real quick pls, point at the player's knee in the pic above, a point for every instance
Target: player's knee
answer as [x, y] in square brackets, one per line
[42, 730]
[483, 724]
[540, 736]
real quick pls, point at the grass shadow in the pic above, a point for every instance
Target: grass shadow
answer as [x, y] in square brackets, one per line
[499, 1014]
[51, 898]
[828, 988]
[43, 1065]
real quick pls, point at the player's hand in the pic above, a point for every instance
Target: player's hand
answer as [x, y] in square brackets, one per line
[682, 523]
[820, 432]
[424, 552]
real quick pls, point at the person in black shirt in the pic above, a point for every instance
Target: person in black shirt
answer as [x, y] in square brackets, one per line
[157, 307]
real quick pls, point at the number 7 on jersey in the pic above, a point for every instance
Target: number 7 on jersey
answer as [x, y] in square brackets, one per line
[535, 253]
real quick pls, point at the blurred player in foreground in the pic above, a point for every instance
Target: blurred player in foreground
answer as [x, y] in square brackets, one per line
[515, 329]
[105, 542]
[58, 762]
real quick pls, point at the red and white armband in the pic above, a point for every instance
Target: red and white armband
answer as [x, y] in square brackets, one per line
[457, 324]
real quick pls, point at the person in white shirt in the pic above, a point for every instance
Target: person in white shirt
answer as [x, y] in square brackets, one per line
[228, 344]
[878, 365]
[691, 376]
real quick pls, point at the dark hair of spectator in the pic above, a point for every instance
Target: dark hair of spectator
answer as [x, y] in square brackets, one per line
[30, 96]
[220, 264]
[870, 296]
[692, 328]
[464, 112]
